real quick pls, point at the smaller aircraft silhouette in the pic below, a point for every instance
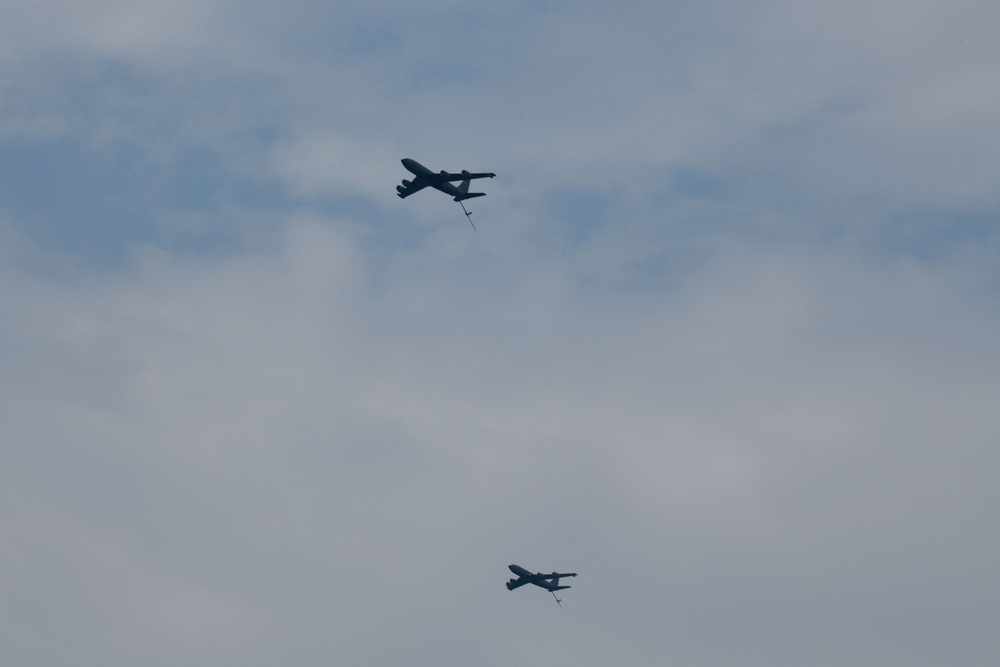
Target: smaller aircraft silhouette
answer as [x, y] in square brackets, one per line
[549, 582]
[440, 181]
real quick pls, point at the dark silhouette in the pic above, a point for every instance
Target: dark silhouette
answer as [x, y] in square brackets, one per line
[440, 181]
[549, 582]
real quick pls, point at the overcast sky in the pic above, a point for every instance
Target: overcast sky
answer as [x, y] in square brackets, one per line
[726, 342]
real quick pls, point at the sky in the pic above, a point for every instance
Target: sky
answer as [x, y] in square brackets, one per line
[726, 340]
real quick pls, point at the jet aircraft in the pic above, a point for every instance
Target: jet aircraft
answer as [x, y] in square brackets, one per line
[549, 582]
[440, 181]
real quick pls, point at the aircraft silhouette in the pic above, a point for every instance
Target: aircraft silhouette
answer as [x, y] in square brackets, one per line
[440, 181]
[549, 582]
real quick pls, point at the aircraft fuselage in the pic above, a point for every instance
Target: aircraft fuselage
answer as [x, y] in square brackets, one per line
[434, 180]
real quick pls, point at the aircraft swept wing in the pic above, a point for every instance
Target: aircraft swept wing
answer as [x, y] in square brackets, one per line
[410, 187]
[464, 175]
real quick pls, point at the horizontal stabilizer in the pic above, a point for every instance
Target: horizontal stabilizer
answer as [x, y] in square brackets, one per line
[559, 588]
[469, 195]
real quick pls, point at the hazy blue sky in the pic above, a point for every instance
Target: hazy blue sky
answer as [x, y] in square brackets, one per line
[726, 342]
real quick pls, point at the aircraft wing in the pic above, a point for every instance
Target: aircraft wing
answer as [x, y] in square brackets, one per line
[405, 191]
[556, 575]
[466, 175]
[517, 583]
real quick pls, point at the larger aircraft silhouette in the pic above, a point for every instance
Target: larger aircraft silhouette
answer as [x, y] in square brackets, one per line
[549, 582]
[440, 181]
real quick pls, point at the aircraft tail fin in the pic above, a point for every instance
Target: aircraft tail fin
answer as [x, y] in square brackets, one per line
[463, 189]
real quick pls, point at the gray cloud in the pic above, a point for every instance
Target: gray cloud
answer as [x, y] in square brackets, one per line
[281, 455]
[724, 343]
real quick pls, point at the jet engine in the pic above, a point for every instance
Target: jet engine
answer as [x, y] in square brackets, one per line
[444, 173]
[465, 172]
[400, 189]
[406, 183]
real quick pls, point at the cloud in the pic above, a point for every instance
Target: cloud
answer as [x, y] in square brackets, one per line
[723, 343]
[320, 446]
[897, 108]
[317, 165]
[108, 28]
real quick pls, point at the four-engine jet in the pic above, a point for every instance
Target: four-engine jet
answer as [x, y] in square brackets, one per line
[441, 181]
[549, 582]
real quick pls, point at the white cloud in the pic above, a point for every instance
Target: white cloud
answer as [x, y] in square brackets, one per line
[897, 103]
[758, 436]
[327, 164]
[109, 27]
[308, 439]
